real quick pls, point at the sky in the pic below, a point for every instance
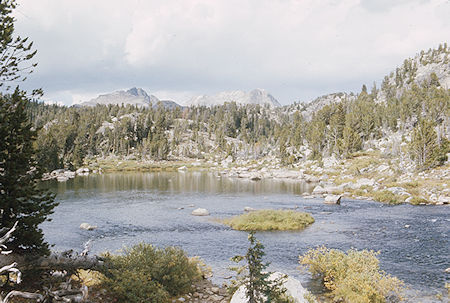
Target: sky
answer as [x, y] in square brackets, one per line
[176, 49]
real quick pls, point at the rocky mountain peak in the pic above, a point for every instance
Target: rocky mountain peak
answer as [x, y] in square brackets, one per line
[133, 96]
[138, 92]
[256, 96]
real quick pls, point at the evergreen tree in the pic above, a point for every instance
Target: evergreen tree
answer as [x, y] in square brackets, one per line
[259, 287]
[21, 199]
[424, 145]
[47, 151]
[350, 142]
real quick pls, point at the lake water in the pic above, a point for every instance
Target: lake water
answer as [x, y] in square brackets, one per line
[155, 207]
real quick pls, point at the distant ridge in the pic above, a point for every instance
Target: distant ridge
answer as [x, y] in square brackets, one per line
[134, 96]
[256, 96]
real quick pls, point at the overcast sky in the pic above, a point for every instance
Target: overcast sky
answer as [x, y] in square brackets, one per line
[297, 50]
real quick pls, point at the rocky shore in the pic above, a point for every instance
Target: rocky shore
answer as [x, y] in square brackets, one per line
[63, 175]
[368, 175]
[205, 291]
[370, 181]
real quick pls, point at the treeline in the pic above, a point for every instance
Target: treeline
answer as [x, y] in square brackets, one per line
[69, 135]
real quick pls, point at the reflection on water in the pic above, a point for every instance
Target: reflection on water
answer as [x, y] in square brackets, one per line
[173, 183]
[156, 208]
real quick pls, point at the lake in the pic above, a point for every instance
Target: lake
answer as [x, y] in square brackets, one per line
[156, 208]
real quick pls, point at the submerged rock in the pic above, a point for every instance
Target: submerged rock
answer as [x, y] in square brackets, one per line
[200, 212]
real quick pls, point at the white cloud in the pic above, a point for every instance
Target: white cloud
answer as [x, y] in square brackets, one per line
[293, 48]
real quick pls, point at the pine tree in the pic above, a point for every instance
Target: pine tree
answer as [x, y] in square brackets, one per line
[21, 199]
[259, 287]
[350, 142]
[424, 144]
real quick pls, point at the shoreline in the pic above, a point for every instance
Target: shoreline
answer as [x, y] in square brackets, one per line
[364, 177]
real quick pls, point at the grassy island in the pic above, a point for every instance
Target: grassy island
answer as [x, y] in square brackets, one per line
[267, 219]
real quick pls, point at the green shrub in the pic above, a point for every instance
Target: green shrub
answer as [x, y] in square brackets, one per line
[354, 276]
[270, 220]
[386, 196]
[148, 274]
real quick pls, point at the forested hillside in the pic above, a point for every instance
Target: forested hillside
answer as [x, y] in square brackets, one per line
[413, 102]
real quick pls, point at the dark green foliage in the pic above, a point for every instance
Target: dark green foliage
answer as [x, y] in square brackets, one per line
[47, 152]
[259, 288]
[21, 200]
[148, 274]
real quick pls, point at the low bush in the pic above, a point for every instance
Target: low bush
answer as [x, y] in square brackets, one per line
[386, 196]
[354, 276]
[270, 220]
[148, 274]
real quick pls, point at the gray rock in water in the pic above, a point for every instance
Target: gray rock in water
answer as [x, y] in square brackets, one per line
[249, 209]
[200, 212]
[294, 289]
[333, 199]
[87, 226]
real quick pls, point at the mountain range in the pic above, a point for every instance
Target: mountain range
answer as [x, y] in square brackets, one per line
[134, 96]
[139, 97]
[256, 96]
[416, 70]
